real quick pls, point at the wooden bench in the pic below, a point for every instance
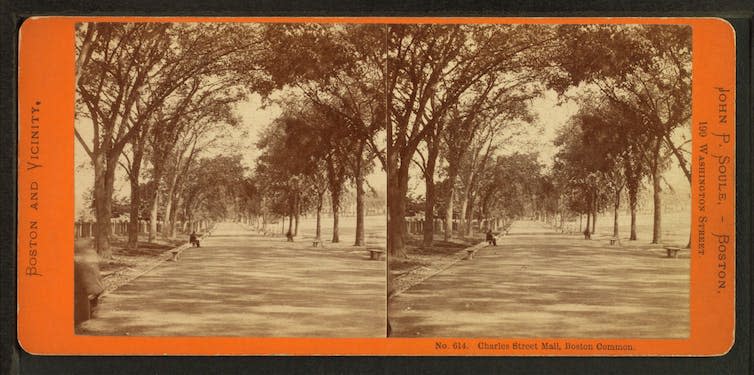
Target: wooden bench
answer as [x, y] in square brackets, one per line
[375, 254]
[471, 252]
[315, 243]
[672, 251]
[613, 240]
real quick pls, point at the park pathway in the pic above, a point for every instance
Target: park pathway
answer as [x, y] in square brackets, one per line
[539, 283]
[242, 284]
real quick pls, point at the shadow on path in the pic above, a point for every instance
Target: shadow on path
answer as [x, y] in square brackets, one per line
[550, 285]
[247, 285]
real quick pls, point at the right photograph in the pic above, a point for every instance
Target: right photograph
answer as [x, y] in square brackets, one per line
[539, 180]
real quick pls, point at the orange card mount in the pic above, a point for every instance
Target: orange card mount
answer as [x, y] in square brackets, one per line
[46, 171]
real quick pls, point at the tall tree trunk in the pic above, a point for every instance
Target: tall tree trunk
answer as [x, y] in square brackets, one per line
[449, 216]
[617, 208]
[429, 212]
[633, 180]
[102, 208]
[133, 215]
[318, 230]
[359, 182]
[297, 213]
[174, 216]
[134, 205]
[433, 151]
[335, 178]
[452, 175]
[588, 221]
[290, 222]
[335, 215]
[133, 220]
[153, 215]
[397, 190]
[633, 221]
[429, 202]
[594, 214]
[657, 195]
[590, 202]
[462, 217]
[470, 215]
[155, 197]
[632, 205]
[169, 205]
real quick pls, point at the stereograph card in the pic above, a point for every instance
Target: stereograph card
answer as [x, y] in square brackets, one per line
[376, 186]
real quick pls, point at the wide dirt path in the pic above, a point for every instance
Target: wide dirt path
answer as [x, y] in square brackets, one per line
[538, 283]
[241, 284]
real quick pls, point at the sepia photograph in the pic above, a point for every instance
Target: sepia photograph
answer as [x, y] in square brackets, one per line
[539, 181]
[383, 180]
[230, 180]
[418, 186]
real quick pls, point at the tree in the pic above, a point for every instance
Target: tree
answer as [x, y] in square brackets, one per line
[346, 88]
[645, 72]
[293, 166]
[212, 185]
[429, 68]
[128, 77]
[509, 185]
[115, 63]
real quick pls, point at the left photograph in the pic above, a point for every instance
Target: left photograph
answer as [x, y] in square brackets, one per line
[230, 180]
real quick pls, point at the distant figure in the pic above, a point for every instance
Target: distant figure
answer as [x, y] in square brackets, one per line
[289, 236]
[193, 239]
[491, 238]
[587, 234]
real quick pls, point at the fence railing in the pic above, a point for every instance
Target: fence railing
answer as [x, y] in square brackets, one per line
[83, 229]
[416, 225]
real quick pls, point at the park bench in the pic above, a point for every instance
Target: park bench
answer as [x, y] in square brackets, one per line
[375, 254]
[613, 240]
[315, 242]
[672, 251]
[176, 253]
[470, 251]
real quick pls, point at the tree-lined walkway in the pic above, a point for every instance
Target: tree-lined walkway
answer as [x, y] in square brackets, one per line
[538, 283]
[242, 284]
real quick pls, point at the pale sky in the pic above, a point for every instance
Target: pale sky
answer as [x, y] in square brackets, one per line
[551, 114]
[255, 118]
